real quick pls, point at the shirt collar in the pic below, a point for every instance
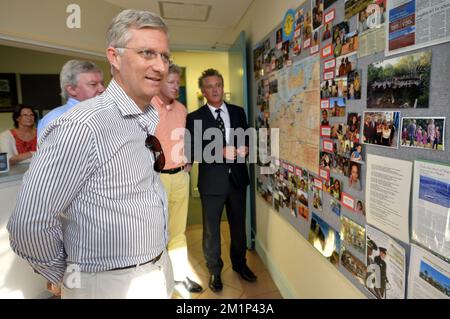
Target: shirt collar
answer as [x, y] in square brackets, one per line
[158, 103]
[125, 104]
[71, 101]
[223, 107]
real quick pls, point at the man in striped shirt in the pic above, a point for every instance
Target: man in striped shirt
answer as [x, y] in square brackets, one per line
[92, 212]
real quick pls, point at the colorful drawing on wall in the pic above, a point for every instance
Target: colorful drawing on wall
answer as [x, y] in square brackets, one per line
[289, 25]
[402, 82]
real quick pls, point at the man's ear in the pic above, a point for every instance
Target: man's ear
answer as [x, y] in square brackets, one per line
[70, 89]
[113, 57]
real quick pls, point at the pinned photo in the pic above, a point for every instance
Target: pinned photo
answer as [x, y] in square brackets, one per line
[354, 85]
[325, 239]
[381, 128]
[402, 82]
[345, 64]
[337, 106]
[423, 132]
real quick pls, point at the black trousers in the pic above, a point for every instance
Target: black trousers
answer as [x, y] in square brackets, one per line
[212, 205]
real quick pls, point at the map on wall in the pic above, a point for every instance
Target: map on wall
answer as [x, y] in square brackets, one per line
[295, 110]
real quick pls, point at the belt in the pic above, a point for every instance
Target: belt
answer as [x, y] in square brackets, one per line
[172, 171]
[153, 261]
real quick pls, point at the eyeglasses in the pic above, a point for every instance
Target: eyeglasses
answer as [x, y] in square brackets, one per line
[153, 144]
[149, 54]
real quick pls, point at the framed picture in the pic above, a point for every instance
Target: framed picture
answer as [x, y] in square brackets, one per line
[8, 91]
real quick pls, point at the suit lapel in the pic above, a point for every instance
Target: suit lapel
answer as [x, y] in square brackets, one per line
[207, 115]
[233, 118]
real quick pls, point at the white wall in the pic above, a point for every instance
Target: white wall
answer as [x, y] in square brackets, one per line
[297, 268]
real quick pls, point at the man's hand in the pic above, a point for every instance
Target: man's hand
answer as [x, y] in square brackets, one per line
[242, 151]
[54, 289]
[229, 152]
[187, 168]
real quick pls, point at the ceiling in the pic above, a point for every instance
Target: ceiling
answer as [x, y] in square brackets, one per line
[195, 24]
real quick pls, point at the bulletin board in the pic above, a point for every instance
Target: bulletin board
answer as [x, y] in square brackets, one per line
[351, 111]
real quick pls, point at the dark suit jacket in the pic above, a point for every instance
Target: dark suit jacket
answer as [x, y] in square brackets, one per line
[214, 178]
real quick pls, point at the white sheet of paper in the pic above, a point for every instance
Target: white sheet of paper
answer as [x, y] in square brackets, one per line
[429, 276]
[431, 206]
[387, 195]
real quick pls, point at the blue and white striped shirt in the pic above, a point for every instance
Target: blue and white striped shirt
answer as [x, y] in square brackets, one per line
[91, 197]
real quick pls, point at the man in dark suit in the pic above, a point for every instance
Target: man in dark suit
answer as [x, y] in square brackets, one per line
[223, 176]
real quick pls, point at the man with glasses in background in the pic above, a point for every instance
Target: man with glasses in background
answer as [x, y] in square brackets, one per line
[79, 80]
[92, 211]
[175, 175]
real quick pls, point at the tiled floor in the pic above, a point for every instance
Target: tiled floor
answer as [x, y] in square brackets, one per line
[233, 286]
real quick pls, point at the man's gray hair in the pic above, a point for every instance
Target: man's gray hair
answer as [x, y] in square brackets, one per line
[71, 71]
[173, 68]
[118, 33]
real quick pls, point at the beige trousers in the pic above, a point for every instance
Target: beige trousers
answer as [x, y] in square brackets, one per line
[177, 189]
[150, 281]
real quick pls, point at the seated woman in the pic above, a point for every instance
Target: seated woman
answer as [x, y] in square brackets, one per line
[20, 142]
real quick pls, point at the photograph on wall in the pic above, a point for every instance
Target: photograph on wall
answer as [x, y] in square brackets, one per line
[356, 153]
[386, 265]
[325, 239]
[428, 276]
[317, 199]
[339, 32]
[355, 266]
[317, 13]
[402, 82]
[350, 43]
[345, 145]
[339, 165]
[327, 88]
[315, 42]
[354, 176]
[423, 132]
[325, 117]
[372, 17]
[8, 90]
[335, 188]
[354, 85]
[359, 207]
[326, 33]
[339, 130]
[307, 30]
[345, 64]
[335, 207]
[353, 7]
[341, 86]
[337, 106]
[431, 206]
[353, 235]
[353, 124]
[325, 160]
[381, 128]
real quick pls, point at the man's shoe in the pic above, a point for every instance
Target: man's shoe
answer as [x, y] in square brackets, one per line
[246, 273]
[191, 285]
[215, 283]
